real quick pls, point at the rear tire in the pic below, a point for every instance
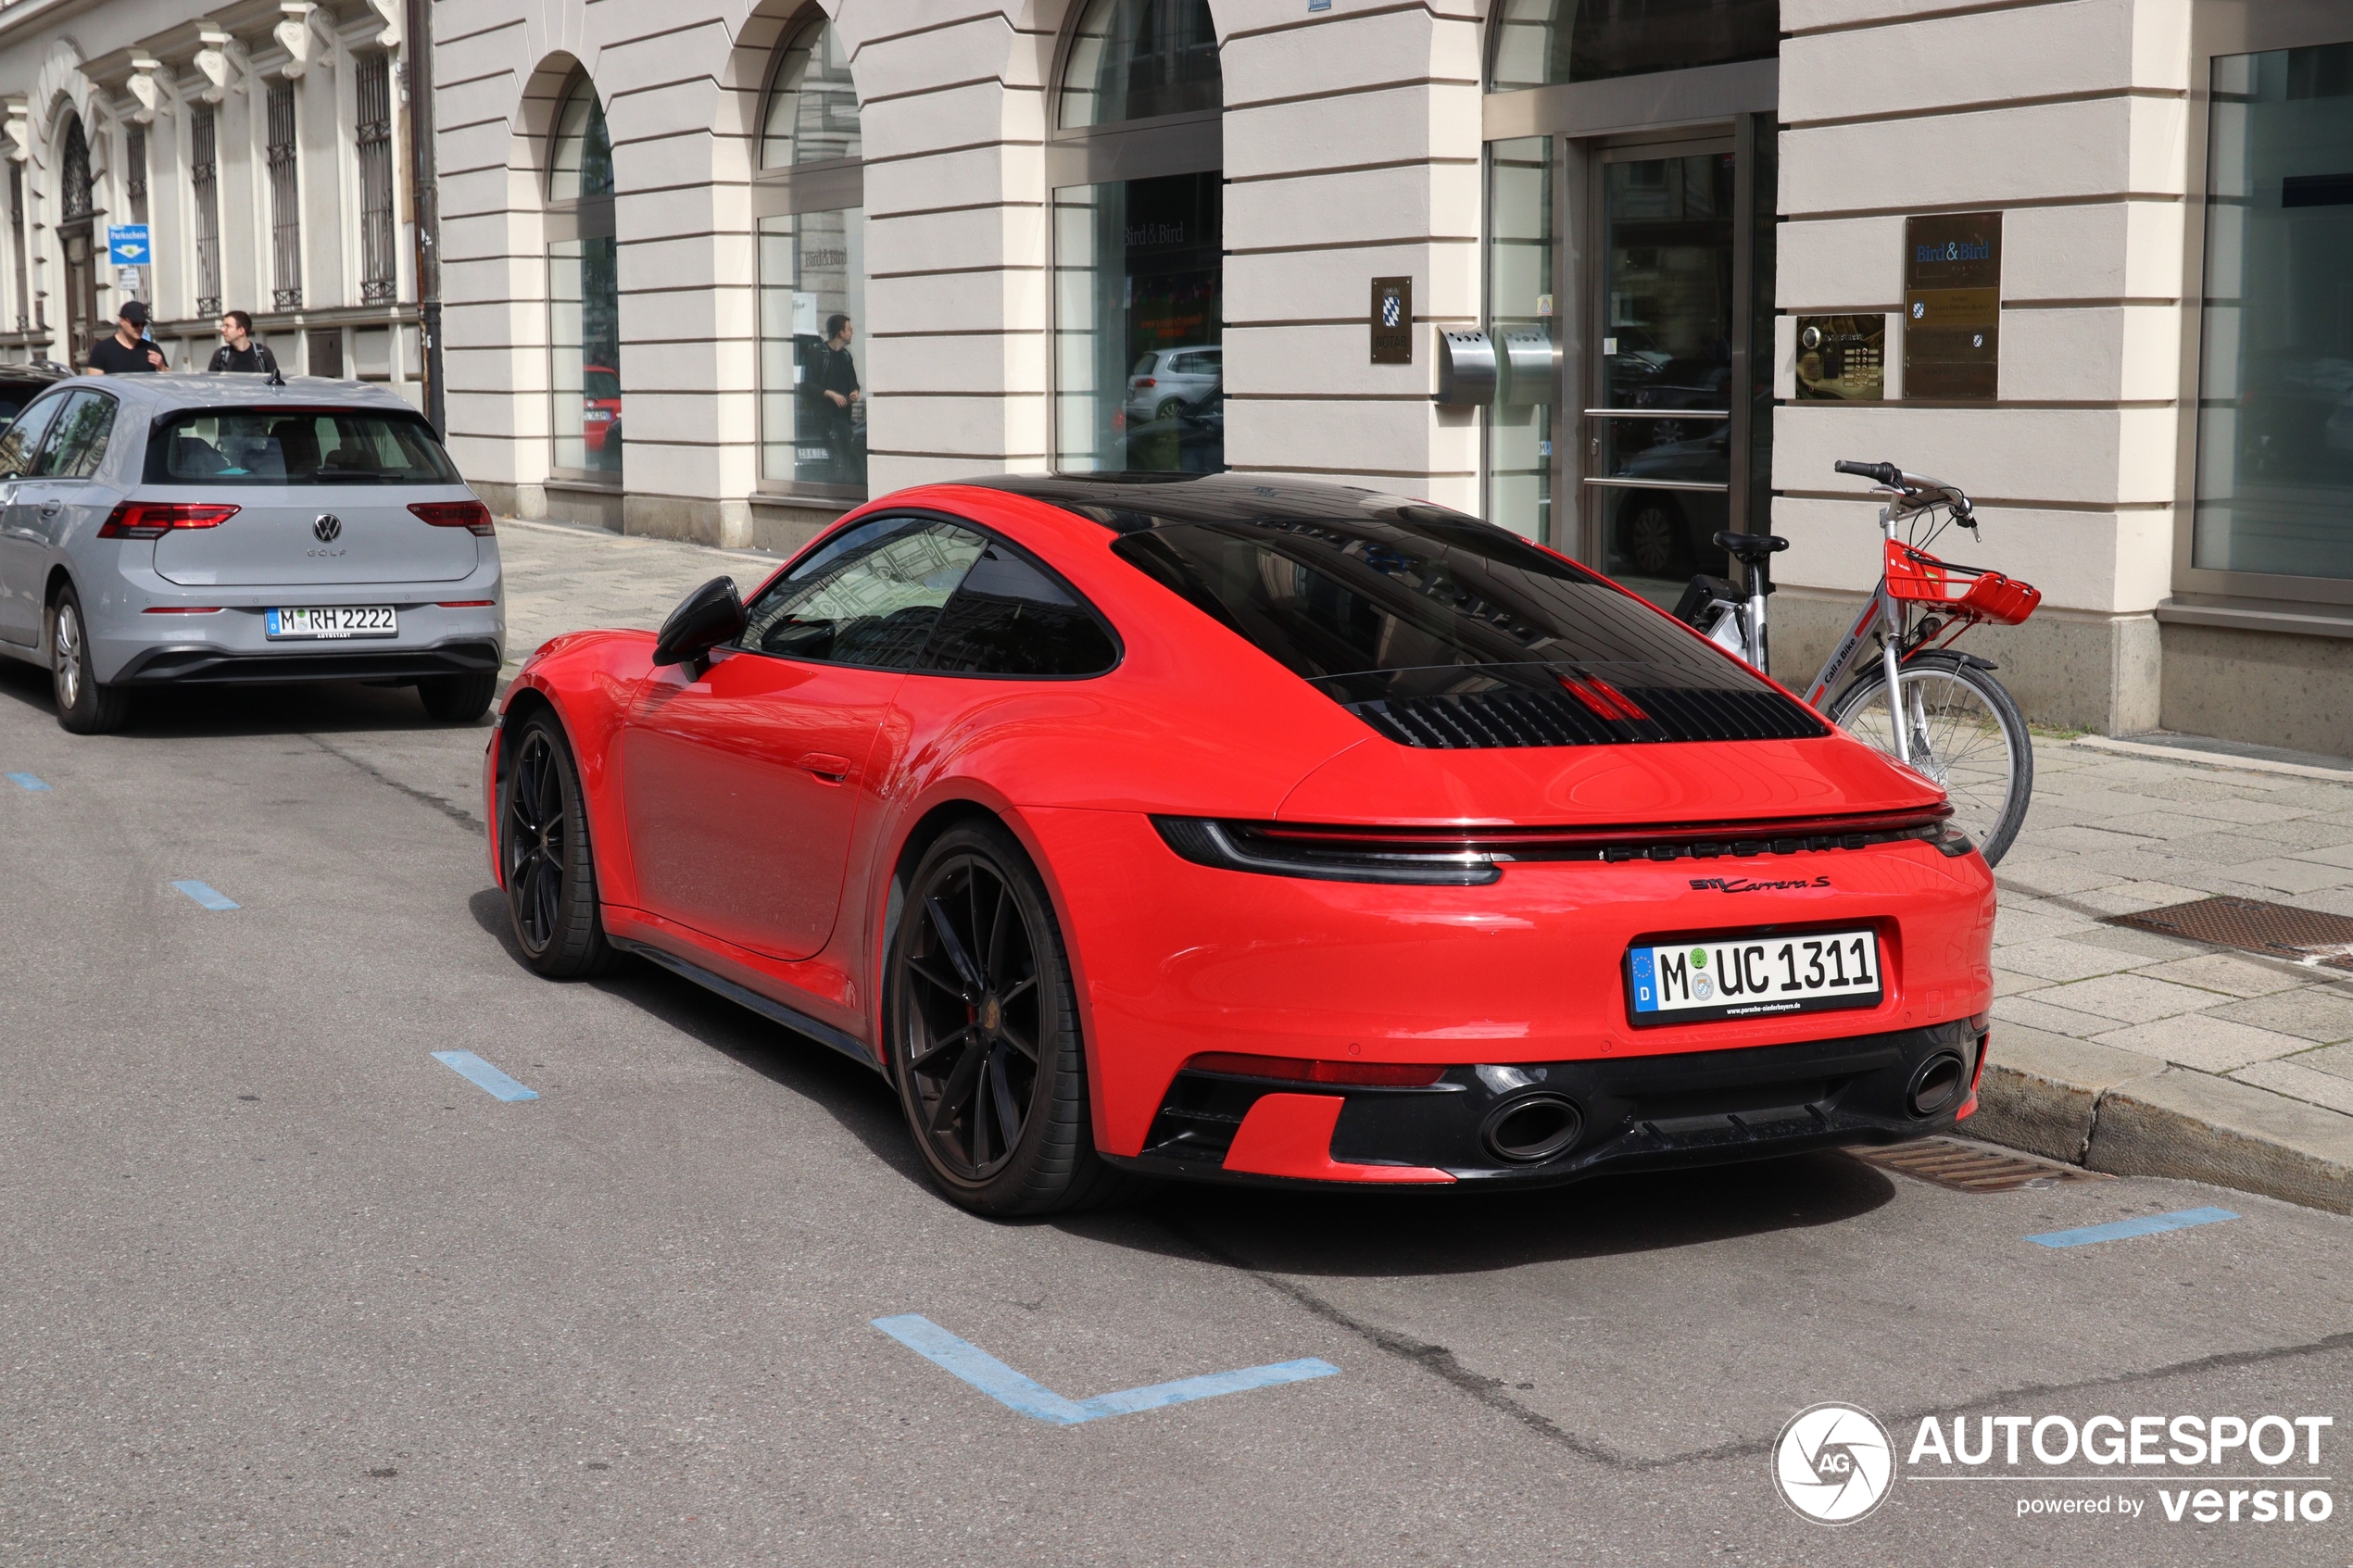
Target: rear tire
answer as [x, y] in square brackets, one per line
[544, 858]
[458, 699]
[983, 1034]
[84, 707]
[1977, 749]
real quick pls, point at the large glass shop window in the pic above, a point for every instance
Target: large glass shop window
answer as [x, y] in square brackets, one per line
[1139, 319]
[812, 356]
[1521, 428]
[1662, 460]
[1541, 42]
[1140, 313]
[584, 297]
[2275, 410]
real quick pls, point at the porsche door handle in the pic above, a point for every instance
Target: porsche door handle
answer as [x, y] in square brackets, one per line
[50, 510]
[826, 766]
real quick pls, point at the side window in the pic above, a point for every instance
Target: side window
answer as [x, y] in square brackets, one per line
[21, 444]
[1009, 618]
[870, 597]
[78, 445]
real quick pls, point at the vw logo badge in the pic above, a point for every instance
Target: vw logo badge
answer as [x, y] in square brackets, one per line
[1834, 1463]
[327, 528]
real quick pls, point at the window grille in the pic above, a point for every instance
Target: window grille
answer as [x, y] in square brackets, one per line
[204, 181]
[379, 252]
[16, 218]
[285, 200]
[134, 183]
[76, 202]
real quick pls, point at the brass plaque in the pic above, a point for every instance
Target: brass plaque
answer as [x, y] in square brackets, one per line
[1393, 320]
[1842, 358]
[1952, 307]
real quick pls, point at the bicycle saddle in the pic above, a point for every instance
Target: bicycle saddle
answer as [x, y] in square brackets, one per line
[1750, 548]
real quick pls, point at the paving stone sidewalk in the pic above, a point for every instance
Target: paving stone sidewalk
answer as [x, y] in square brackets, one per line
[2111, 1047]
[2110, 835]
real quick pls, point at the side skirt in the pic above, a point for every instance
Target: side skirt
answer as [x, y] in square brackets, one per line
[775, 1011]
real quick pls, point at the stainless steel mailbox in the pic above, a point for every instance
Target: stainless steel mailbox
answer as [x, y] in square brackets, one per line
[1465, 367]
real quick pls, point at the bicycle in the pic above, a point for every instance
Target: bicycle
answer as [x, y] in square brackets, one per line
[1960, 729]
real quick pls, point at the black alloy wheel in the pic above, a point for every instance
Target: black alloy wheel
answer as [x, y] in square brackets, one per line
[544, 858]
[984, 1031]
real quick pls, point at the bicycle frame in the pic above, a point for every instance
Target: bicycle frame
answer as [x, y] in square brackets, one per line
[1883, 604]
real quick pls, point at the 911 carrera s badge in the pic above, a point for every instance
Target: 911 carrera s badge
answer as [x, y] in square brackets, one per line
[1753, 975]
[1742, 885]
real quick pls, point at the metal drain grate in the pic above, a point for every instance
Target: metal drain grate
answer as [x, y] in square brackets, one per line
[1948, 1162]
[2252, 925]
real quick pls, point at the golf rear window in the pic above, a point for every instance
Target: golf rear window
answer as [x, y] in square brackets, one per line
[286, 445]
[1330, 598]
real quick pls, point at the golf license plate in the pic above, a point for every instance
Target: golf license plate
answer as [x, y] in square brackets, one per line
[335, 621]
[1750, 975]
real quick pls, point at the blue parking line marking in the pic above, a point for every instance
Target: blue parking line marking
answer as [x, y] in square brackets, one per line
[2147, 1224]
[203, 893]
[28, 780]
[482, 1075]
[1016, 1392]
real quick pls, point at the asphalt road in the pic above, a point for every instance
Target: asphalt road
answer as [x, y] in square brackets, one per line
[281, 1287]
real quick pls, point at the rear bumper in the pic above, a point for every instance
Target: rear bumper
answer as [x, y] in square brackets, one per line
[1632, 1113]
[209, 665]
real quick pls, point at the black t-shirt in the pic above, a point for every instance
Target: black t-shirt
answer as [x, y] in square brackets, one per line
[117, 360]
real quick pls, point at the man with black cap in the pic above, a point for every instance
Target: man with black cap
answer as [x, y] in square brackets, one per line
[127, 351]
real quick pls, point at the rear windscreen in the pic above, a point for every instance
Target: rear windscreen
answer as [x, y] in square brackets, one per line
[291, 445]
[1440, 631]
[1329, 599]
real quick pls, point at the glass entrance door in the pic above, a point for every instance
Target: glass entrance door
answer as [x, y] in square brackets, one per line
[1665, 310]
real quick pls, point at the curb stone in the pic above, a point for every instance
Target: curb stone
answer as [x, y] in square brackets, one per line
[2133, 1115]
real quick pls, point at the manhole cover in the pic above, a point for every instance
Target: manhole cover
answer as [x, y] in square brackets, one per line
[2251, 925]
[1964, 1167]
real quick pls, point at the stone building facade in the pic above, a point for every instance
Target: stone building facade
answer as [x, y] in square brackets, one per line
[265, 145]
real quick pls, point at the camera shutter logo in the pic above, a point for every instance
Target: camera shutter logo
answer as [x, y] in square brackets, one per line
[327, 528]
[1834, 1463]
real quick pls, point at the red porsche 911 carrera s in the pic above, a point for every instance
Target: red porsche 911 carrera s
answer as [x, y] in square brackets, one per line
[1214, 826]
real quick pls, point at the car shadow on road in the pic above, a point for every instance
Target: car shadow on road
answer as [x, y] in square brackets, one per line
[1350, 1234]
[186, 712]
[853, 1095]
[1335, 1234]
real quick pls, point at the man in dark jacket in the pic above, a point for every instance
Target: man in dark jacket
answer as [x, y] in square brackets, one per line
[238, 352]
[837, 383]
[126, 351]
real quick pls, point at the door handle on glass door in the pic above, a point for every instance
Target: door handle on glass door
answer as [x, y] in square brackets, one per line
[826, 766]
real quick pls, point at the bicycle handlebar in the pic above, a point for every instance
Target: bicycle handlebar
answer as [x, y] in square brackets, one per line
[1878, 473]
[1917, 489]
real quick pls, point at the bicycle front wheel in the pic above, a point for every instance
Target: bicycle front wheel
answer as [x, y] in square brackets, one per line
[1966, 736]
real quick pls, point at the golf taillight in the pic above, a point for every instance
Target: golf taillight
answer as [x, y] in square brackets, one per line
[471, 515]
[1299, 1070]
[153, 519]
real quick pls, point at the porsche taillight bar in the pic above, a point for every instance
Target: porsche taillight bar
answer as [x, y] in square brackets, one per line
[1474, 856]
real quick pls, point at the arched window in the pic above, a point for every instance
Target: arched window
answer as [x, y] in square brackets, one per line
[1135, 162]
[584, 289]
[1538, 42]
[809, 198]
[580, 165]
[77, 206]
[811, 112]
[1139, 60]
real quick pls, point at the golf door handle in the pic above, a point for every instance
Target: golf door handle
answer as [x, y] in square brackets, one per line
[826, 766]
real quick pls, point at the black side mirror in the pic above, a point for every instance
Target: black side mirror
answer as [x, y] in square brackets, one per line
[712, 614]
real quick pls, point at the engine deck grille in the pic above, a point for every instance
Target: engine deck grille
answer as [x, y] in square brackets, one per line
[1519, 716]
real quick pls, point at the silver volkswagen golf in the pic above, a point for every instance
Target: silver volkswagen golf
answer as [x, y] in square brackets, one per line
[176, 529]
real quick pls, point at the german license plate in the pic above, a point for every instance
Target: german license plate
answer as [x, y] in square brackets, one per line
[1747, 975]
[335, 621]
